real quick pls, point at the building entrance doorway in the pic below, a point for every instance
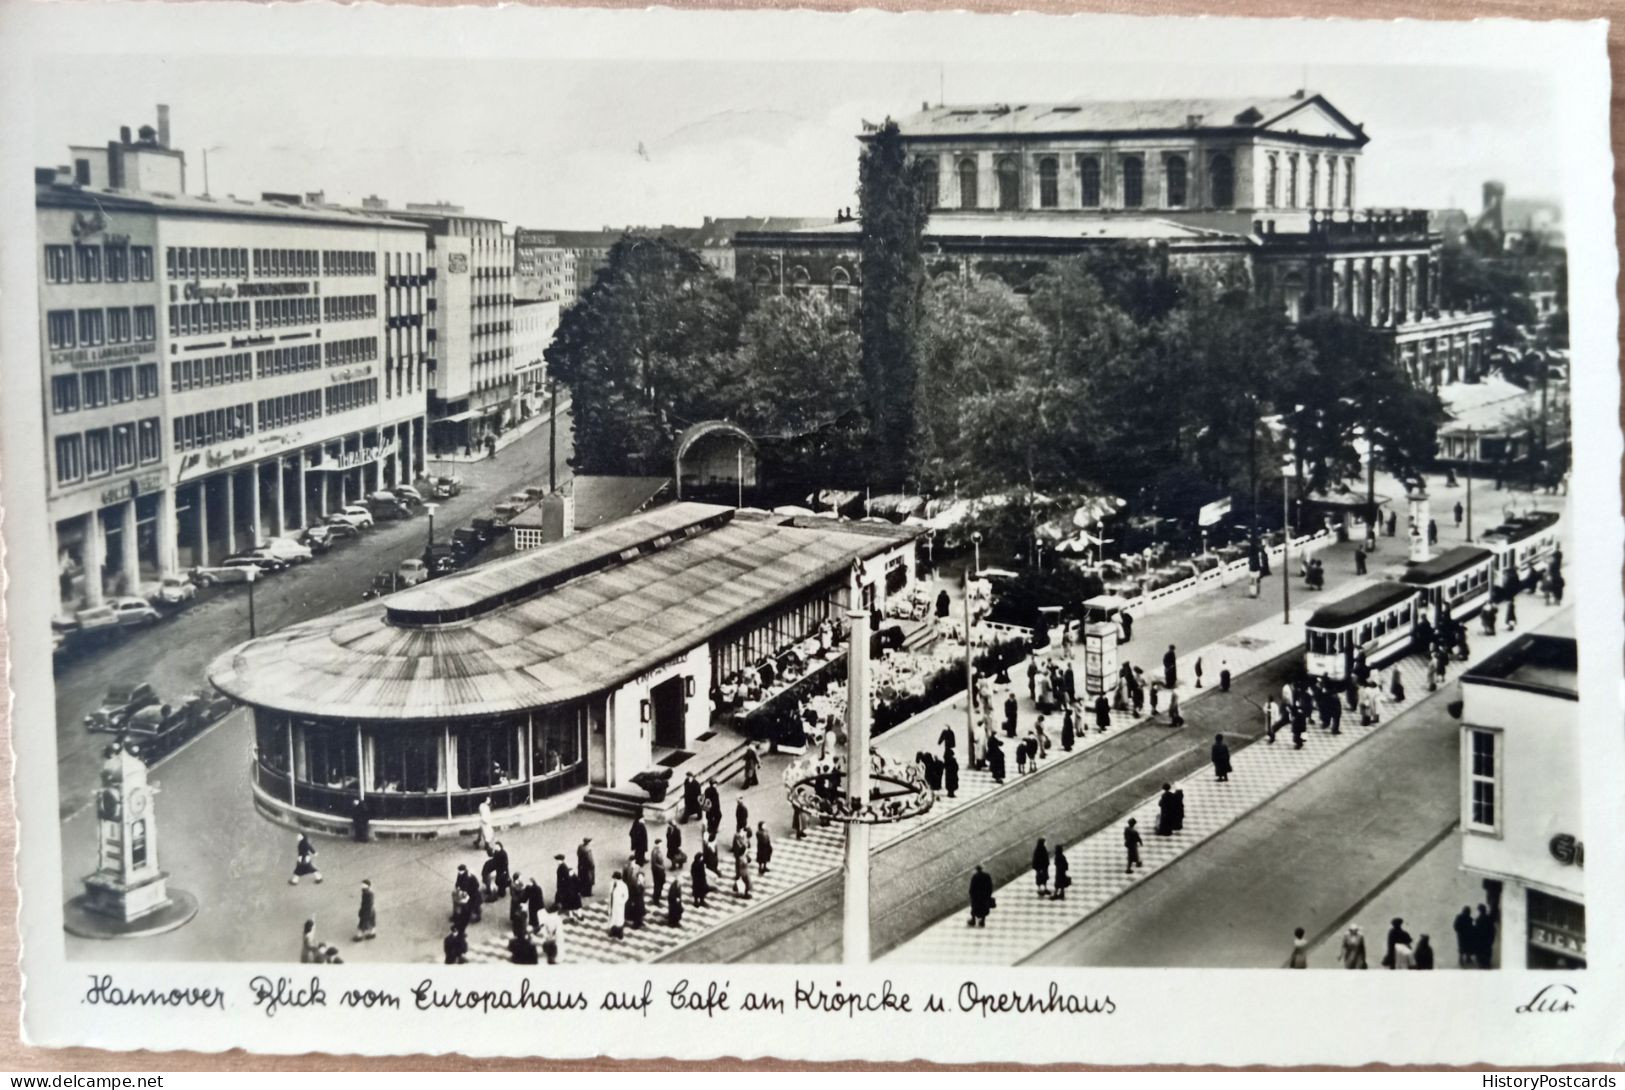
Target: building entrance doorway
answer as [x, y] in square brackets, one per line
[667, 710]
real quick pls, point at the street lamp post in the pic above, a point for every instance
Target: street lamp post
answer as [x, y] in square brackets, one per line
[1471, 458]
[431, 508]
[253, 629]
[1286, 555]
[855, 934]
[976, 542]
[970, 683]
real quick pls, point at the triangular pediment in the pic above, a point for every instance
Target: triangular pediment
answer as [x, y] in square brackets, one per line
[1314, 116]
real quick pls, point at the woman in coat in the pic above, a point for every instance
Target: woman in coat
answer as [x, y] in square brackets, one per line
[1069, 732]
[1354, 948]
[1221, 759]
[657, 873]
[764, 847]
[1062, 873]
[1103, 713]
[981, 897]
[1041, 867]
[1399, 947]
[698, 882]
[566, 895]
[617, 906]
[674, 904]
[950, 773]
[310, 949]
[305, 853]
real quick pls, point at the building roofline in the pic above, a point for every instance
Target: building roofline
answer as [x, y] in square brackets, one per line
[186, 205]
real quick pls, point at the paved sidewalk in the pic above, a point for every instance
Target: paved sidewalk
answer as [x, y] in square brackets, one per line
[1024, 922]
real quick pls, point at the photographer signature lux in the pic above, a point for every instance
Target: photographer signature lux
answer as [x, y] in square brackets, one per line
[1552, 999]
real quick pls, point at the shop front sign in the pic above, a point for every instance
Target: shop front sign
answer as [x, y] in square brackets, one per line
[134, 487]
[102, 355]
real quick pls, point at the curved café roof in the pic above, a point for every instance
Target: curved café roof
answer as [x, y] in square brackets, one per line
[544, 627]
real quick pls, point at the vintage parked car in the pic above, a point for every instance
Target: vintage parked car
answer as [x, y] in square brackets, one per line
[507, 510]
[385, 582]
[289, 550]
[440, 560]
[412, 572]
[443, 488]
[173, 590]
[317, 538]
[340, 528]
[535, 492]
[407, 494]
[268, 561]
[94, 620]
[234, 570]
[158, 729]
[385, 506]
[354, 514]
[119, 704]
[134, 612]
[466, 541]
[487, 528]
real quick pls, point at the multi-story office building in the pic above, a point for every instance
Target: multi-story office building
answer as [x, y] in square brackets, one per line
[217, 371]
[1520, 816]
[1267, 187]
[534, 323]
[472, 389]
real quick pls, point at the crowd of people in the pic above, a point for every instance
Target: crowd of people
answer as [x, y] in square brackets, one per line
[1475, 945]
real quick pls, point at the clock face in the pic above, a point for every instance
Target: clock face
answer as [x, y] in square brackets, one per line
[138, 802]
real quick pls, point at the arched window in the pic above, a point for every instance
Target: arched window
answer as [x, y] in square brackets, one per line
[1009, 185]
[967, 183]
[800, 282]
[1272, 190]
[1174, 168]
[1314, 179]
[1222, 177]
[1089, 181]
[930, 183]
[840, 290]
[1049, 188]
[1133, 182]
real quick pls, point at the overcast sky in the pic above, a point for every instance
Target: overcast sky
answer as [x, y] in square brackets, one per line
[591, 143]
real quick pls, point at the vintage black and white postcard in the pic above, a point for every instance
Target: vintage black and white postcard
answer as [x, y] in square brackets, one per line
[826, 536]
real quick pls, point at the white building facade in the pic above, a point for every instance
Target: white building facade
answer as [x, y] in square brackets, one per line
[1521, 819]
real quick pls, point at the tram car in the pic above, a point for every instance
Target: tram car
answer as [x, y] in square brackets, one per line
[1459, 578]
[1379, 620]
[1522, 547]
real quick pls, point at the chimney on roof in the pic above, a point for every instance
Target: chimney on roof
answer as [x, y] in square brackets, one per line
[163, 125]
[1193, 120]
[924, 106]
[1299, 93]
[124, 134]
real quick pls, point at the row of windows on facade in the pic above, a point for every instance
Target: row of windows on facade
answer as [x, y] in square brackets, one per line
[1220, 192]
[202, 429]
[97, 389]
[798, 282]
[112, 262]
[101, 451]
[233, 262]
[97, 326]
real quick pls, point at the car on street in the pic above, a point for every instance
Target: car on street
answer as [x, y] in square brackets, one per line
[317, 538]
[407, 494]
[234, 570]
[94, 619]
[444, 487]
[412, 571]
[355, 514]
[521, 500]
[507, 510]
[386, 506]
[340, 528]
[535, 492]
[174, 590]
[466, 541]
[384, 582]
[486, 528]
[119, 704]
[159, 729]
[267, 562]
[440, 560]
[286, 548]
[133, 612]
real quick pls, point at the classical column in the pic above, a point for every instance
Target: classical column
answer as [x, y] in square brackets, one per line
[301, 520]
[95, 558]
[229, 478]
[168, 532]
[130, 547]
[202, 502]
[280, 509]
[254, 524]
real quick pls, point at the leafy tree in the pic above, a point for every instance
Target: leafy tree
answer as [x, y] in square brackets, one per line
[631, 349]
[894, 217]
[1468, 280]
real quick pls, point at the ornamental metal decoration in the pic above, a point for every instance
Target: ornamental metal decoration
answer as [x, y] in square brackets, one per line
[897, 791]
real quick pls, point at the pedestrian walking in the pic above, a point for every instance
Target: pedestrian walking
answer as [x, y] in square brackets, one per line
[764, 847]
[617, 906]
[1458, 512]
[1300, 950]
[637, 902]
[1224, 676]
[1125, 621]
[1170, 668]
[753, 766]
[1174, 718]
[698, 884]
[1221, 759]
[1165, 811]
[950, 773]
[487, 831]
[1272, 720]
[1484, 928]
[1041, 867]
[550, 929]
[1179, 810]
[1010, 709]
[995, 760]
[1156, 694]
[1131, 845]
[1433, 532]
[1069, 733]
[366, 917]
[535, 903]
[1032, 679]
[691, 797]
[566, 891]
[1463, 926]
[674, 904]
[1512, 615]
[1359, 560]
[1063, 873]
[1423, 958]
[713, 799]
[471, 899]
[304, 861]
[455, 946]
[1299, 725]
[310, 947]
[741, 814]
[586, 867]
[1396, 687]
[638, 837]
[798, 822]
[1198, 671]
[1103, 714]
[1399, 955]
[674, 844]
[657, 872]
[1353, 948]
[943, 604]
[981, 897]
